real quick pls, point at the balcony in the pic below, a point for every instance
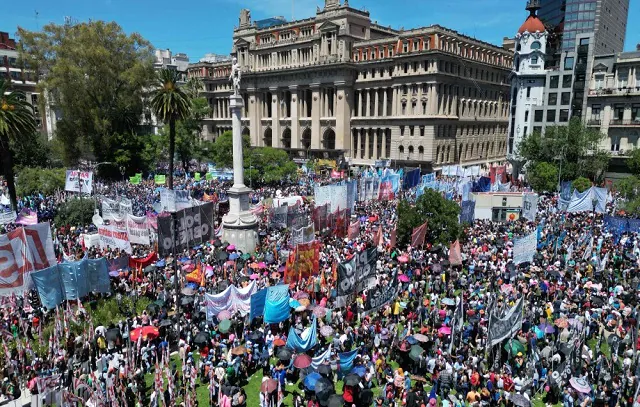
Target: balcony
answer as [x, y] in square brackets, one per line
[626, 91]
[625, 122]
[594, 122]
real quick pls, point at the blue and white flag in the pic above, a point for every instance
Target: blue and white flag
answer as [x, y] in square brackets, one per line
[530, 206]
[525, 248]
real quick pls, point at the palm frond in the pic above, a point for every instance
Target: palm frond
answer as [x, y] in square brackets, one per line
[16, 115]
[169, 101]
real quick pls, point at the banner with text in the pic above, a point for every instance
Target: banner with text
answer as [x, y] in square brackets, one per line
[195, 226]
[79, 181]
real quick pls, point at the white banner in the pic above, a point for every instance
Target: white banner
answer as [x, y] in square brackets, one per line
[530, 206]
[138, 229]
[79, 181]
[114, 238]
[525, 248]
[7, 217]
[110, 209]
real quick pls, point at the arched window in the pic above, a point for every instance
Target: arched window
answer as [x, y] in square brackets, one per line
[401, 150]
[421, 153]
[535, 45]
[410, 155]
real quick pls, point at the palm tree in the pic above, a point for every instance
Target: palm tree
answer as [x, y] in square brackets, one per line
[16, 119]
[170, 103]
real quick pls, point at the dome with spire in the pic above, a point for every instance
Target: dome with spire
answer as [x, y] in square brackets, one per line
[532, 24]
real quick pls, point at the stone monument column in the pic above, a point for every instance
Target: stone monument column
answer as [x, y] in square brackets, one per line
[240, 226]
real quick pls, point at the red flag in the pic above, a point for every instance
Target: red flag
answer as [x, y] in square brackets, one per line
[418, 235]
[455, 255]
[378, 238]
[354, 229]
[392, 242]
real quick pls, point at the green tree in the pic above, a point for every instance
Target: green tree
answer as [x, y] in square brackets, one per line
[574, 148]
[222, 154]
[440, 214]
[633, 161]
[268, 165]
[581, 184]
[75, 212]
[32, 150]
[97, 76]
[46, 181]
[170, 104]
[628, 187]
[543, 177]
[16, 120]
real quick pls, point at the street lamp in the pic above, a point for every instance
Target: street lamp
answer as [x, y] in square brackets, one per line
[122, 171]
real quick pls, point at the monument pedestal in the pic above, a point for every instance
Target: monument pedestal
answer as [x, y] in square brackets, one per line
[239, 226]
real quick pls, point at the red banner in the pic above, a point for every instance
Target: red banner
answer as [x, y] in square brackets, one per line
[142, 263]
[354, 230]
[304, 264]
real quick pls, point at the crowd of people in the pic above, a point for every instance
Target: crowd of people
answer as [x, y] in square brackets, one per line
[575, 344]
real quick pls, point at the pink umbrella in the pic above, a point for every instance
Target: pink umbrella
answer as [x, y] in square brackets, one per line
[262, 265]
[231, 248]
[300, 294]
[254, 276]
[224, 314]
[403, 278]
[403, 259]
[187, 267]
[445, 330]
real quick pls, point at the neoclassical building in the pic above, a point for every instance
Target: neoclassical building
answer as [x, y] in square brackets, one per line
[340, 85]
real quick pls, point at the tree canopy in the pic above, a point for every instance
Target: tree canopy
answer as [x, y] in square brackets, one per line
[440, 214]
[97, 76]
[574, 150]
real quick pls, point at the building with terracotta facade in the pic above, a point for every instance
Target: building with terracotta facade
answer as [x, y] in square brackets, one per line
[340, 85]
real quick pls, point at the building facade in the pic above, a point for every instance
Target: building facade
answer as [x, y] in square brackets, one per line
[528, 79]
[25, 81]
[339, 85]
[614, 105]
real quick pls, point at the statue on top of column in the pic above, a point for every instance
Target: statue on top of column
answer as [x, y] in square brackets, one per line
[329, 4]
[235, 76]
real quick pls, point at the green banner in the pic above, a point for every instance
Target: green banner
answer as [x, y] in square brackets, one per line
[139, 175]
[209, 176]
[134, 180]
[196, 176]
[160, 179]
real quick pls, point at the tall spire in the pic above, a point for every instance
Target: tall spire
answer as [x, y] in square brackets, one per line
[533, 6]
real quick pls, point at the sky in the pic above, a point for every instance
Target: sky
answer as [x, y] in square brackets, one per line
[206, 26]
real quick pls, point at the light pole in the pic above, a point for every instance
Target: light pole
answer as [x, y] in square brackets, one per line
[122, 171]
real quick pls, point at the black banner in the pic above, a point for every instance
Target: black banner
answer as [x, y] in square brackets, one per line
[195, 226]
[279, 217]
[356, 274]
[380, 295]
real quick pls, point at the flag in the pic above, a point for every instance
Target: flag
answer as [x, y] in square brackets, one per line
[569, 252]
[588, 250]
[196, 176]
[603, 263]
[392, 242]
[378, 238]
[418, 235]
[455, 255]
[457, 322]
[160, 179]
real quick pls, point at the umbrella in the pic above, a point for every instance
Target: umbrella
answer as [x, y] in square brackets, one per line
[221, 256]
[254, 336]
[269, 386]
[153, 308]
[323, 389]
[301, 308]
[411, 340]
[239, 350]
[262, 265]
[217, 243]
[224, 326]
[519, 400]
[300, 294]
[245, 256]
[112, 334]
[324, 370]
[403, 278]
[415, 352]
[513, 347]
[319, 312]
[186, 300]
[279, 342]
[165, 322]
[114, 273]
[335, 400]
[233, 256]
[147, 332]
[546, 328]
[561, 322]
[310, 380]
[326, 331]
[574, 322]
[160, 303]
[420, 338]
[231, 247]
[351, 379]
[449, 301]
[285, 354]
[403, 259]
[445, 330]
[302, 360]
[254, 276]
[359, 370]
[224, 314]
[201, 339]
[188, 291]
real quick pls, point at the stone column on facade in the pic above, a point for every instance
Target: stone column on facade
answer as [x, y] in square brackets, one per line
[384, 144]
[368, 104]
[295, 125]
[367, 136]
[359, 112]
[315, 116]
[384, 102]
[356, 143]
[254, 117]
[375, 143]
[376, 104]
[275, 118]
[342, 113]
[394, 98]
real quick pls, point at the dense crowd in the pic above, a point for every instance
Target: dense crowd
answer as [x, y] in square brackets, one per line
[576, 343]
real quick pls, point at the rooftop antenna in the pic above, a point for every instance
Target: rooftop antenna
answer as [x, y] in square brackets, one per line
[37, 23]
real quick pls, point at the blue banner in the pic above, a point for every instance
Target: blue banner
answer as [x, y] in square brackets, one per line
[467, 212]
[483, 184]
[346, 361]
[276, 308]
[411, 179]
[428, 178]
[47, 282]
[304, 342]
[98, 275]
[74, 279]
[258, 301]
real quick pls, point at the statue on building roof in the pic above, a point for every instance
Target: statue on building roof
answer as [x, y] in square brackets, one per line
[245, 17]
[328, 4]
[235, 76]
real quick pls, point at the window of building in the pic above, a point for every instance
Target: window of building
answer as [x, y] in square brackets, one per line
[424, 108]
[551, 116]
[585, 41]
[565, 98]
[421, 131]
[528, 92]
[615, 143]
[599, 81]
[635, 112]
[564, 115]
[536, 45]
[538, 115]
[406, 67]
[618, 110]
[553, 82]
[566, 81]
[414, 108]
[595, 112]
[568, 63]
[534, 60]
[553, 99]
[537, 129]
[411, 130]
[402, 131]
[404, 108]
[526, 116]
[623, 78]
